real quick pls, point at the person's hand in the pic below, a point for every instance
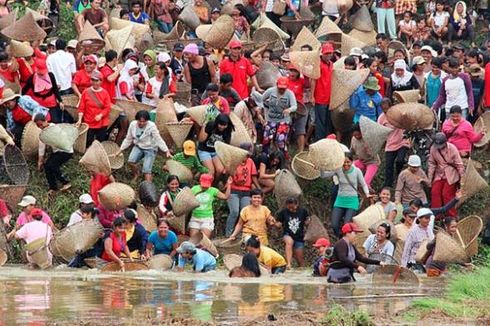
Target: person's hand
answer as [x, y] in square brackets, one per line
[168, 154]
[98, 117]
[260, 90]
[143, 257]
[459, 194]
[121, 264]
[229, 181]
[119, 152]
[297, 15]
[232, 238]
[78, 123]
[277, 172]
[286, 112]
[361, 270]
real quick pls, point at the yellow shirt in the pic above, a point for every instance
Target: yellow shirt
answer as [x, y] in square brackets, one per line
[270, 258]
[129, 234]
[255, 222]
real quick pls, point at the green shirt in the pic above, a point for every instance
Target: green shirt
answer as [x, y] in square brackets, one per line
[206, 199]
[191, 162]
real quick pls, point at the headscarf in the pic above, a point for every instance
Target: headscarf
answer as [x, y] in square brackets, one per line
[41, 80]
[150, 70]
[407, 75]
[456, 16]
[125, 76]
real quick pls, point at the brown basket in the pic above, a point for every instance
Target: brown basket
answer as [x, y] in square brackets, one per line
[345, 82]
[410, 116]
[481, 124]
[285, 186]
[240, 135]
[472, 182]
[448, 250]
[180, 170]
[160, 262]
[468, 230]
[303, 168]
[3, 257]
[25, 29]
[348, 42]
[20, 49]
[148, 194]
[96, 160]
[270, 37]
[220, 32]
[80, 145]
[202, 241]
[70, 102]
[342, 118]
[230, 156]
[327, 27]
[111, 148]
[61, 136]
[177, 223]
[361, 20]
[369, 38]
[397, 255]
[421, 254]
[179, 132]
[385, 275]
[138, 29]
[359, 242]
[30, 139]
[147, 218]
[344, 6]
[116, 196]
[184, 202]
[293, 25]
[189, 17]
[43, 21]
[333, 161]
[226, 246]
[315, 230]
[9, 19]
[119, 39]
[374, 134]
[38, 252]
[410, 96]
[267, 75]
[89, 39]
[176, 33]
[369, 216]
[305, 37]
[128, 267]
[308, 62]
[12, 195]
[183, 94]
[264, 22]
[15, 165]
[131, 108]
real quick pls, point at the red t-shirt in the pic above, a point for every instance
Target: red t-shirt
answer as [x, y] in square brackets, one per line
[118, 246]
[324, 84]
[90, 108]
[82, 80]
[240, 70]
[98, 182]
[25, 70]
[381, 83]
[4, 211]
[9, 75]
[297, 86]
[109, 86]
[242, 180]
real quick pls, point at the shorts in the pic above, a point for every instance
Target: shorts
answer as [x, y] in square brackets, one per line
[296, 244]
[148, 156]
[201, 223]
[206, 156]
[299, 124]
[311, 114]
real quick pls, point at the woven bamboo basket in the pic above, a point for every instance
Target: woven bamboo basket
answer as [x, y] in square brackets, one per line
[369, 216]
[386, 275]
[183, 94]
[202, 241]
[176, 33]
[25, 29]
[410, 116]
[481, 124]
[293, 25]
[308, 62]
[9, 19]
[285, 186]
[264, 22]
[189, 17]
[269, 37]
[472, 182]
[230, 156]
[38, 251]
[61, 136]
[89, 40]
[119, 39]
[240, 135]
[421, 253]
[128, 267]
[387, 259]
[448, 250]
[96, 160]
[303, 168]
[160, 262]
[305, 37]
[315, 230]
[12, 194]
[116, 196]
[80, 145]
[184, 202]
[30, 139]
[179, 132]
[410, 96]
[368, 38]
[147, 218]
[226, 246]
[345, 82]
[361, 20]
[131, 108]
[176, 168]
[348, 42]
[148, 194]
[111, 148]
[220, 32]
[468, 230]
[331, 162]
[359, 242]
[15, 165]
[327, 27]
[178, 224]
[374, 134]
[138, 29]
[3, 257]
[267, 75]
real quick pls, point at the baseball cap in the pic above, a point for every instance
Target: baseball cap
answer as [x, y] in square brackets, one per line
[234, 44]
[423, 212]
[418, 60]
[90, 58]
[440, 140]
[327, 48]
[216, 10]
[96, 75]
[192, 49]
[322, 242]
[206, 180]
[189, 148]
[26, 201]
[179, 47]
[414, 161]
[186, 246]
[85, 199]
[430, 49]
[282, 82]
[72, 44]
[351, 227]
[41, 66]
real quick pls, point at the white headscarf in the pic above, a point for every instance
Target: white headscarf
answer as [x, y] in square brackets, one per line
[125, 76]
[407, 75]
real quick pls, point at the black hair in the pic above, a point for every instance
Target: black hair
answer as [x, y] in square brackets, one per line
[226, 78]
[60, 44]
[407, 12]
[307, 46]
[212, 87]
[4, 56]
[142, 114]
[349, 156]
[381, 56]
[280, 156]
[136, 3]
[123, 12]
[449, 52]
[163, 66]
[386, 188]
[440, 2]
[356, 127]
[417, 202]
[256, 192]
[119, 221]
[292, 200]
[448, 220]
[453, 63]
[162, 220]
[130, 215]
[250, 263]
[402, 51]
[172, 177]
[381, 36]
[268, 51]
[253, 242]
[274, 56]
[387, 228]
[223, 119]
[38, 217]
[89, 209]
[39, 117]
[368, 62]
[436, 62]
[386, 100]
[126, 52]
[455, 109]
[110, 55]
[350, 61]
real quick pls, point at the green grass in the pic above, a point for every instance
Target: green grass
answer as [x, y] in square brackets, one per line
[340, 316]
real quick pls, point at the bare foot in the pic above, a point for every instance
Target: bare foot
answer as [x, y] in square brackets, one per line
[66, 187]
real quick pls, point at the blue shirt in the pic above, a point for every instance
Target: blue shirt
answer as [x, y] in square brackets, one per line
[162, 245]
[365, 105]
[202, 261]
[432, 86]
[140, 19]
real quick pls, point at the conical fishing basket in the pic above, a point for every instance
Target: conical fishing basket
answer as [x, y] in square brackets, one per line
[165, 113]
[201, 240]
[240, 135]
[232, 260]
[308, 62]
[179, 132]
[3, 257]
[345, 83]
[111, 148]
[410, 116]
[468, 229]
[286, 186]
[184, 202]
[189, 17]
[348, 42]
[30, 139]
[385, 275]
[362, 21]
[483, 123]
[25, 29]
[305, 37]
[230, 156]
[119, 39]
[226, 246]
[114, 114]
[220, 33]
[393, 235]
[15, 165]
[177, 223]
[410, 96]
[342, 117]
[61, 136]
[96, 159]
[303, 168]
[472, 182]
[374, 134]
[80, 145]
[9, 19]
[12, 194]
[129, 266]
[315, 230]
[198, 114]
[270, 37]
[448, 250]
[264, 22]
[20, 49]
[331, 162]
[369, 216]
[89, 39]
[176, 33]
[131, 108]
[138, 29]
[387, 259]
[267, 75]
[160, 262]
[183, 94]
[368, 38]
[147, 218]
[116, 196]
[327, 27]
[421, 254]
[180, 170]
[38, 251]
[148, 194]
[43, 21]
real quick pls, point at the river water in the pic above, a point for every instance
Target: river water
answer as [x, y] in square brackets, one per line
[62, 295]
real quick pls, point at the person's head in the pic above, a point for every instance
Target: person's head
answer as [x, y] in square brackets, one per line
[187, 249]
[293, 72]
[407, 16]
[453, 66]
[266, 55]
[356, 131]
[131, 216]
[423, 217]
[348, 161]
[225, 81]
[161, 70]
[327, 51]
[417, 45]
[36, 214]
[371, 86]
[85, 200]
[9, 100]
[189, 148]
[27, 204]
[456, 114]
[414, 163]
[205, 181]
[223, 124]
[212, 90]
[215, 13]
[381, 57]
[321, 245]
[418, 64]
[461, 8]
[89, 63]
[415, 205]
[408, 217]
[371, 64]
[149, 58]
[439, 5]
[382, 40]
[142, 117]
[458, 51]
[350, 230]
[385, 104]
[60, 44]
[440, 141]
[119, 225]
[436, 66]
[427, 52]
[136, 7]
[473, 57]
[88, 212]
[385, 195]
[4, 60]
[95, 4]
[173, 183]
[400, 67]
[96, 79]
[277, 159]
[178, 50]
[235, 48]
[350, 63]
[191, 51]
[252, 245]
[124, 14]
[40, 121]
[383, 232]
[292, 204]
[162, 228]
[399, 54]
[450, 225]
[250, 263]
[111, 58]
[256, 197]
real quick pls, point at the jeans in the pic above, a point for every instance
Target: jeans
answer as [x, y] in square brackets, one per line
[386, 16]
[99, 134]
[163, 26]
[60, 116]
[323, 122]
[52, 168]
[394, 164]
[339, 215]
[236, 202]
[468, 33]
[148, 156]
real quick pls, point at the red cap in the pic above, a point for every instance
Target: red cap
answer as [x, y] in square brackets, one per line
[41, 66]
[322, 242]
[206, 180]
[331, 136]
[235, 44]
[36, 212]
[327, 48]
[351, 227]
[282, 82]
[91, 58]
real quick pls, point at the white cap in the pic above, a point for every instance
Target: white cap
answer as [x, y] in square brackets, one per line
[26, 201]
[85, 199]
[430, 49]
[163, 57]
[400, 64]
[356, 52]
[414, 161]
[424, 212]
[72, 44]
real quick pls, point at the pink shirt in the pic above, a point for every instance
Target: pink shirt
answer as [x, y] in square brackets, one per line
[445, 164]
[24, 218]
[461, 136]
[395, 139]
[34, 230]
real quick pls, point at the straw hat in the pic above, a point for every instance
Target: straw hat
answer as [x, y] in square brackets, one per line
[344, 6]
[468, 230]
[240, 135]
[410, 116]
[331, 162]
[393, 236]
[9, 19]
[368, 38]
[96, 160]
[43, 21]
[15, 165]
[410, 96]
[362, 21]
[218, 34]
[148, 194]
[119, 39]
[189, 17]
[179, 132]
[327, 27]
[286, 186]
[160, 262]
[138, 29]
[345, 82]
[30, 139]
[230, 156]
[116, 196]
[111, 148]
[3, 257]
[201, 240]
[25, 29]
[131, 108]
[481, 124]
[226, 246]
[147, 218]
[264, 22]
[185, 202]
[38, 252]
[175, 34]
[348, 42]
[305, 37]
[80, 145]
[12, 194]
[374, 134]
[303, 168]
[129, 266]
[61, 136]
[369, 216]
[180, 170]
[448, 250]
[472, 182]
[386, 275]
[315, 230]
[267, 75]
[308, 62]
[20, 49]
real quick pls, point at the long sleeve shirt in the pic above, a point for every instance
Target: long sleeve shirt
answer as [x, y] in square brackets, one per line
[340, 257]
[408, 188]
[355, 177]
[446, 164]
[91, 107]
[415, 237]
[463, 136]
[146, 138]
[451, 93]
[395, 139]
[365, 105]
[106, 217]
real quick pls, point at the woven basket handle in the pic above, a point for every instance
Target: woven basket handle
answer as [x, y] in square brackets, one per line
[460, 239]
[306, 162]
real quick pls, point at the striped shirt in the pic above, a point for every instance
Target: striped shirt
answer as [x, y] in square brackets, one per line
[415, 237]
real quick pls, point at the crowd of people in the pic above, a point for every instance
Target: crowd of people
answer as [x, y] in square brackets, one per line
[429, 49]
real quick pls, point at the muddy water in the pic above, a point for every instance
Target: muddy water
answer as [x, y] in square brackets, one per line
[28, 296]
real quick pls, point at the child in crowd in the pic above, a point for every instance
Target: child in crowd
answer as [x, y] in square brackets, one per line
[407, 29]
[272, 260]
[325, 250]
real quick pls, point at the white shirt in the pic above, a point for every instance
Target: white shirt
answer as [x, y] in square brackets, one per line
[455, 93]
[75, 217]
[153, 87]
[330, 8]
[62, 65]
[440, 18]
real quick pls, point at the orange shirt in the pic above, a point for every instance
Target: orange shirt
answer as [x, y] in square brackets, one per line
[255, 222]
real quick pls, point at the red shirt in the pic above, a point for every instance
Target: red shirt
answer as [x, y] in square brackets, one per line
[97, 182]
[240, 70]
[20, 116]
[381, 83]
[222, 104]
[118, 246]
[82, 80]
[297, 86]
[242, 180]
[9, 75]
[486, 93]
[90, 108]
[4, 211]
[26, 70]
[324, 84]
[109, 86]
